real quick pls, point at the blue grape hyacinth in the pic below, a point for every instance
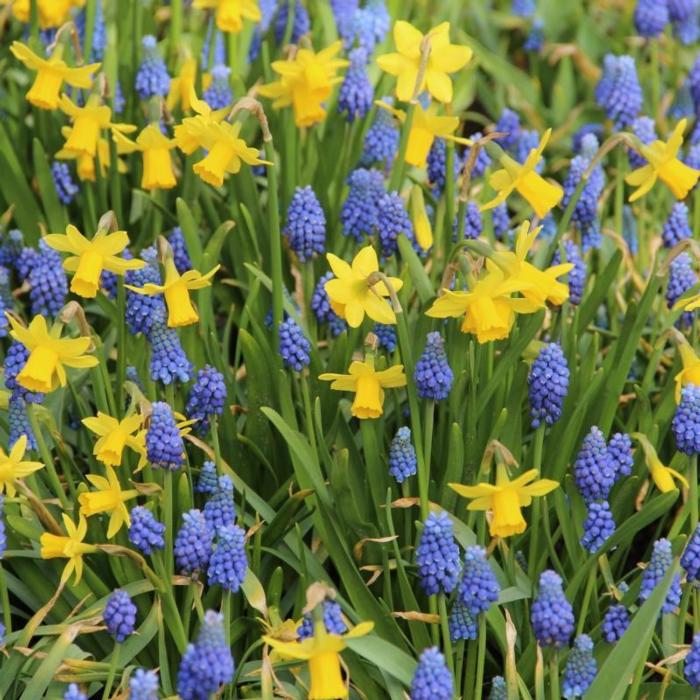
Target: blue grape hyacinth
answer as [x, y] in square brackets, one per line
[462, 624]
[73, 692]
[392, 221]
[686, 421]
[598, 526]
[220, 510]
[650, 17]
[402, 456]
[359, 214]
[332, 620]
[193, 544]
[479, 587]
[690, 559]
[152, 79]
[228, 564]
[295, 348]
[168, 363]
[581, 668]
[164, 445]
[594, 471]
[691, 670]
[577, 276]
[120, 615]
[356, 91]
[432, 679]
[548, 385]
[66, 189]
[619, 92]
[305, 227]
[552, 615]
[145, 532]
[677, 226]
[219, 93]
[207, 398]
[661, 561]
[615, 623]
[143, 685]
[381, 141]
[437, 555]
[433, 376]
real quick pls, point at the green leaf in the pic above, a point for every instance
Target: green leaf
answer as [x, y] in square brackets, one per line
[385, 656]
[419, 276]
[55, 212]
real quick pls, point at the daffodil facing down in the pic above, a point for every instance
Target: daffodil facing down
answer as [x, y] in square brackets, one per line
[690, 374]
[158, 172]
[434, 49]
[538, 286]
[49, 354]
[231, 13]
[663, 477]
[88, 123]
[488, 308]
[70, 546]
[86, 164]
[663, 164]
[322, 652]
[306, 82]
[506, 499]
[115, 435]
[356, 290]
[368, 385]
[427, 125]
[90, 257]
[226, 152]
[51, 73]
[539, 193]
[108, 498]
[13, 466]
[176, 289]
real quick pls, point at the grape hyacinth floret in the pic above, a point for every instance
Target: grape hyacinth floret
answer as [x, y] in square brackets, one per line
[690, 559]
[164, 445]
[615, 623]
[686, 421]
[462, 624]
[661, 561]
[228, 564]
[220, 510]
[594, 471]
[598, 526]
[677, 227]
[402, 455]
[152, 79]
[691, 670]
[207, 398]
[479, 587]
[295, 348]
[143, 685]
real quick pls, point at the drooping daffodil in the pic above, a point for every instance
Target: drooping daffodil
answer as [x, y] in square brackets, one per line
[49, 354]
[115, 435]
[13, 466]
[356, 290]
[157, 172]
[663, 477]
[70, 546]
[506, 499]
[443, 58]
[89, 257]
[109, 497]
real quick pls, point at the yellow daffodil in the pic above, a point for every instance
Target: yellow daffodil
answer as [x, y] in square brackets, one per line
[182, 86]
[505, 499]
[115, 435]
[368, 385]
[226, 152]
[109, 498]
[231, 13]
[443, 58]
[85, 164]
[354, 292]
[158, 173]
[176, 290]
[488, 308]
[663, 477]
[44, 369]
[421, 222]
[190, 135]
[90, 257]
[88, 122]
[426, 127]
[306, 81]
[69, 547]
[663, 164]
[51, 73]
[690, 374]
[322, 651]
[12, 466]
[539, 286]
[540, 194]
[51, 13]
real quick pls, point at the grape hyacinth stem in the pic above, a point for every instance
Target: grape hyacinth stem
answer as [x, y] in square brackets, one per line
[536, 505]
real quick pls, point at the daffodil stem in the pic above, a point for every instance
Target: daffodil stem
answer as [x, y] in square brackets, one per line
[619, 191]
[90, 12]
[47, 458]
[590, 587]
[481, 657]
[696, 213]
[275, 243]
[175, 30]
[655, 78]
[112, 671]
[308, 414]
[449, 200]
[445, 628]
[554, 675]
[169, 605]
[121, 345]
[5, 601]
[400, 162]
[429, 421]
[693, 493]
[536, 505]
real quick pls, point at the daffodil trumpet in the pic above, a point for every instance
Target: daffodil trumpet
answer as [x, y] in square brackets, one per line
[663, 477]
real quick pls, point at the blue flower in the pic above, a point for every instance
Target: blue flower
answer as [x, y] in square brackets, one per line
[386, 336]
[18, 420]
[295, 348]
[501, 221]
[99, 33]
[219, 93]
[535, 39]
[686, 421]
[577, 276]
[145, 532]
[207, 398]
[305, 228]
[3, 536]
[140, 308]
[392, 221]
[615, 623]
[548, 384]
[74, 693]
[523, 8]
[143, 685]
[432, 375]
[168, 360]
[48, 285]
[181, 256]
[580, 668]
[300, 22]
[499, 689]
[381, 140]
[207, 664]
[164, 445]
[66, 189]
[691, 670]
[618, 91]
[598, 526]
[402, 455]
[620, 453]
[120, 615]
[479, 588]
[437, 165]
[10, 250]
[208, 480]
[109, 282]
[644, 128]
[437, 555]
[462, 624]
[332, 620]
[432, 679]
[193, 544]
[508, 124]
[690, 560]
[228, 564]
[650, 17]
[677, 227]
[590, 128]
[661, 561]
[594, 471]
[217, 52]
[361, 208]
[15, 359]
[356, 91]
[552, 615]
[681, 278]
[586, 209]
[152, 77]
[473, 223]
[220, 510]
